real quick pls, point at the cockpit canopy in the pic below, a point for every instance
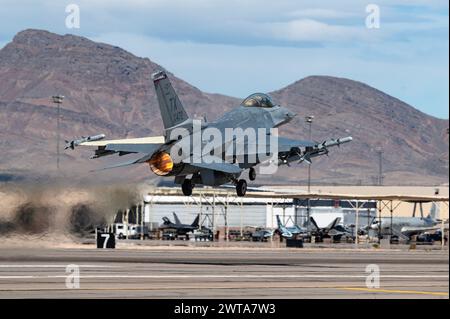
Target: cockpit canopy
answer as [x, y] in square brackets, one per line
[258, 100]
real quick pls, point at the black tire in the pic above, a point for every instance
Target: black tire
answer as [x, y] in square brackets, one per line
[241, 187]
[187, 187]
[252, 174]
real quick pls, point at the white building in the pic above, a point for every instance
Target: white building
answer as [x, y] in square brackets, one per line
[222, 210]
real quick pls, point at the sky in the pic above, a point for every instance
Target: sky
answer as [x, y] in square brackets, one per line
[237, 47]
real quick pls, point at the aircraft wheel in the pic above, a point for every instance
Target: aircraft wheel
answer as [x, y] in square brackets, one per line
[252, 174]
[241, 187]
[187, 187]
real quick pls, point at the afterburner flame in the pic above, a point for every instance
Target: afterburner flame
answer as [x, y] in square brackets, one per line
[161, 163]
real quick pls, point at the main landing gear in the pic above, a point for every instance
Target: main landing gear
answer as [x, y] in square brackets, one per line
[241, 187]
[187, 187]
[252, 174]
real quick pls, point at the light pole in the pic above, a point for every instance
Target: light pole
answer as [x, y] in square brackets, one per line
[309, 120]
[380, 167]
[58, 99]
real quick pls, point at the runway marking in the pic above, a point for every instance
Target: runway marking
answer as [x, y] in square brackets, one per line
[221, 287]
[433, 293]
[57, 266]
[224, 276]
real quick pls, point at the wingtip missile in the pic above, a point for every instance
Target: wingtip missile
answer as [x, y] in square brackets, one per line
[345, 139]
[334, 142]
[73, 143]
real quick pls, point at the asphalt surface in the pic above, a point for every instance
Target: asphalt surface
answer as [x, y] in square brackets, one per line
[186, 272]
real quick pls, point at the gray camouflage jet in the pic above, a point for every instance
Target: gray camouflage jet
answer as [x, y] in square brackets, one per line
[181, 228]
[289, 232]
[197, 152]
[333, 230]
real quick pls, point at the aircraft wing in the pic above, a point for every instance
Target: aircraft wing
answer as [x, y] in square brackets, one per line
[147, 145]
[286, 144]
[134, 141]
[291, 150]
[252, 147]
[410, 231]
[286, 233]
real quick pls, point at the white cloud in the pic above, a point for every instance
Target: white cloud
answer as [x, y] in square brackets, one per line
[239, 71]
[315, 31]
[319, 13]
[235, 47]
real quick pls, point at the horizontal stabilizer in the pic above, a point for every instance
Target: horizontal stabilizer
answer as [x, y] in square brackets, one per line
[115, 166]
[131, 162]
[133, 148]
[214, 163]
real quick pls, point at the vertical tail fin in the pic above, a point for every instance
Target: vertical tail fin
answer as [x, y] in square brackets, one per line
[175, 217]
[280, 225]
[313, 221]
[334, 223]
[434, 211]
[196, 221]
[172, 111]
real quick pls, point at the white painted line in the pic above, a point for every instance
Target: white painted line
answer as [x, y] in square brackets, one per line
[56, 266]
[224, 276]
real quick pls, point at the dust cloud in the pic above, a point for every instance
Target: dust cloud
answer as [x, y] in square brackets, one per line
[61, 212]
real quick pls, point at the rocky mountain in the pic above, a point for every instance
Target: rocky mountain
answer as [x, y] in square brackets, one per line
[108, 90]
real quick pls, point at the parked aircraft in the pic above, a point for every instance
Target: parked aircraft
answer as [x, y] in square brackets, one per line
[289, 232]
[334, 230]
[180, 228]
[405, 227]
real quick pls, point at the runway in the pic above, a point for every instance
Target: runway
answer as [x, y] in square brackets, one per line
[190, 272]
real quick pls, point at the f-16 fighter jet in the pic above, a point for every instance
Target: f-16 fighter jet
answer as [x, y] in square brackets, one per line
[197, 152]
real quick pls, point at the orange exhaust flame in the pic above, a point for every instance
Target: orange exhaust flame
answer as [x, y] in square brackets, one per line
[161, 163]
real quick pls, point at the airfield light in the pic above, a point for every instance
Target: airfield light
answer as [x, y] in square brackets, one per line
[309, 118]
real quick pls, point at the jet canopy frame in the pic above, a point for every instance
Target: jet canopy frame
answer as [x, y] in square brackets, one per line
[258, 100]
